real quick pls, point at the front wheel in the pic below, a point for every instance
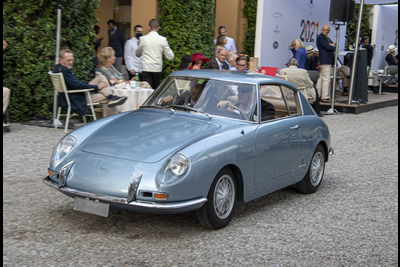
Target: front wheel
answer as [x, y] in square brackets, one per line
[217, 212]
[315, 173]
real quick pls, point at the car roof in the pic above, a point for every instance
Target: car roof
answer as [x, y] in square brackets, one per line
[232, 76]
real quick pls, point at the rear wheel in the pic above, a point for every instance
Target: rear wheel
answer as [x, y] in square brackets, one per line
[217, 212]
[315, 173]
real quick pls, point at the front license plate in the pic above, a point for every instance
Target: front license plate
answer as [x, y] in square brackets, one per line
[91, 206]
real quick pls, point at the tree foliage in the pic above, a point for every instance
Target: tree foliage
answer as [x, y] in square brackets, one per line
[250, 11]
[188, 27]
[365, 30]
[29, 28]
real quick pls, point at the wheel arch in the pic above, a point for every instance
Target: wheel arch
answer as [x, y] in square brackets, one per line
[239, 180]
[325, 147]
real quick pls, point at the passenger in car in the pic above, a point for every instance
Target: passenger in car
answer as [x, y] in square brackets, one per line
[188, 98]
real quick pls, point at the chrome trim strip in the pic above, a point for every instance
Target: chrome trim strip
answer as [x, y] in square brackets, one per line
[149, 205]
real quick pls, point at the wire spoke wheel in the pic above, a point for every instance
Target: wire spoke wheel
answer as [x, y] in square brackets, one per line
[317, 168]
[224, 197]
[217, 212]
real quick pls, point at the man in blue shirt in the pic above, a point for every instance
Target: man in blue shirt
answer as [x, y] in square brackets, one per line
[326, 49]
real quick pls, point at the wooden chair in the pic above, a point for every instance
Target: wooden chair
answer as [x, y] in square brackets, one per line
[60, 87]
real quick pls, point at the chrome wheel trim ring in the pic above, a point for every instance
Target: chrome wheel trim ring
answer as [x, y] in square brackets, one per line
[224, 196]
[317, 168]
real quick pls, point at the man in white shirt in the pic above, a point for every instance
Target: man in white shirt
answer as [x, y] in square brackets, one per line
[230, 43]
[132, 62]
[153, 46]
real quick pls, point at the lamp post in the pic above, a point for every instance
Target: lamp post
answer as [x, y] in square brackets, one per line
[353, 69]
[58, 35]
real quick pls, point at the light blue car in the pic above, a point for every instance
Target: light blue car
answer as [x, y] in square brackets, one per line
[201, 142]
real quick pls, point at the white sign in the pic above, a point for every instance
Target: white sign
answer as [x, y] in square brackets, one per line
[279, 22]
[385, 32]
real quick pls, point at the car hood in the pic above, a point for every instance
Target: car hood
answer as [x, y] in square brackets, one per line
[147, 136]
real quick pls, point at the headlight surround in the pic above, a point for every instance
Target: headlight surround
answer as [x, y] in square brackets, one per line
[64, 147]
[178, 164]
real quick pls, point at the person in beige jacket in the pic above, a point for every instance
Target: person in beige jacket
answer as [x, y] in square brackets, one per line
[300, 78]
[152, 47]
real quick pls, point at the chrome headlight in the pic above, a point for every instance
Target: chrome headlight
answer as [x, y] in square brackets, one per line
[63, 148]
[178, 164]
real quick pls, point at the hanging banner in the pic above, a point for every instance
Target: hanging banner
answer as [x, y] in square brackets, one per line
[385, 32]
[279, 22]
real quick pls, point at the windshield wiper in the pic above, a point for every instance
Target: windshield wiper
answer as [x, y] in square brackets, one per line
[191, 109]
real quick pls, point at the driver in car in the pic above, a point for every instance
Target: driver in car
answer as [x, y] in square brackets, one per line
[245, 102]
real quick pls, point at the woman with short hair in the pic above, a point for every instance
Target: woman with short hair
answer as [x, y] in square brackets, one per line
[299, 52]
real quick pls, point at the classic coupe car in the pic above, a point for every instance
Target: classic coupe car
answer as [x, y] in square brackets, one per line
[201, 142]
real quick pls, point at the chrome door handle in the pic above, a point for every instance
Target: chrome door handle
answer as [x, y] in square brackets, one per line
[295, 127]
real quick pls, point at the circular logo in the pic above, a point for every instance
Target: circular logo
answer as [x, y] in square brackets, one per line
[276, 45]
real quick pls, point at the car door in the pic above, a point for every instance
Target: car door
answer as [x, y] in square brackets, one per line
[278, 140]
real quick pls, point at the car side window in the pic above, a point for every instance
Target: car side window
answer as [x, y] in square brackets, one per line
[272, 94]
[283, 100]
[292, 101]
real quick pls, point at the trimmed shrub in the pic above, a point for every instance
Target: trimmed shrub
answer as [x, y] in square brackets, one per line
[188, 27]
[29, 28]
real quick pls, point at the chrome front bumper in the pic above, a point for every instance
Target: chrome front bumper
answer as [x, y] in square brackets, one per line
[137, 205]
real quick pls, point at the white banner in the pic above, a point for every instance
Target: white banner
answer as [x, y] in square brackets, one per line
[375, 2]
[385, 32]
[279, 22]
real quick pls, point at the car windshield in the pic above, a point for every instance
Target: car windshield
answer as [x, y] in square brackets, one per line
[213, 97]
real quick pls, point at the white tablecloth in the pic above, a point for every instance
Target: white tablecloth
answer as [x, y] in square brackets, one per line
[136, 97]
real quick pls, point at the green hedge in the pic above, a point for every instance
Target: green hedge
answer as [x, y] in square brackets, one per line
[250, 11]
[29, 28]
[188, 27]
[351, 29]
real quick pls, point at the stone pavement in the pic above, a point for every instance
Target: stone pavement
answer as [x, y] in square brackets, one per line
[352, 220]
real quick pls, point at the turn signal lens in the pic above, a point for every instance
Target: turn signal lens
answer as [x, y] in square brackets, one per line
[50, 172]
[160, 196]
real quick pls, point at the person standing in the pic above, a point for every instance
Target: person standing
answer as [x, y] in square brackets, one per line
[326, 49]
[230, 42]
[219, 63]
[132, 62]
[370, 49]
[116, 40]
[153, 46]
[299, 52]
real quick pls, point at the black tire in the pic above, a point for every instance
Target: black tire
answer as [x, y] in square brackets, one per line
[315, 173]
[217, 212]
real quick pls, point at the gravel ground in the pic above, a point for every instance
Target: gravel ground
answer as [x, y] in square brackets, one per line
[352, 220]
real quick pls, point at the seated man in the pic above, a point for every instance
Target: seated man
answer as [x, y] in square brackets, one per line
[102, 92]
[6, 98]
[188, 98]
[301, 79]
